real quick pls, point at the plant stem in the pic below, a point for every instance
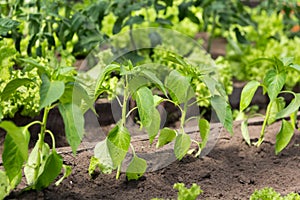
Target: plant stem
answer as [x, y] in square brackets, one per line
[118, 171]
[182, 118]
[124, 105]
[262, 132]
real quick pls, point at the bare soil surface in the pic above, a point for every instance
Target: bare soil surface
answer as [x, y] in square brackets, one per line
[231, 170]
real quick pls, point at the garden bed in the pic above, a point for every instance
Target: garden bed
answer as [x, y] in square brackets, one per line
[232, 170]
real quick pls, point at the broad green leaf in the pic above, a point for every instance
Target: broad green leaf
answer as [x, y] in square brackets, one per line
[4, 185]
[166, 135]
[274, 82]
[136, 168]
[137, 82]
[245, 131]
[67, 172]
[179, 87]
[204, 129]
[12, 86]
[248, 93]
[102, 158]
[153, 79]
[50, 91]
[32, 169]
[284, 136]
[74, 124]
[292, 107]
[118, 142]
[154, 127]
[50, 171]
[182, 145]
[15, 151]
[210, 84]
[145, 104]
[274, 107]
[223, 111]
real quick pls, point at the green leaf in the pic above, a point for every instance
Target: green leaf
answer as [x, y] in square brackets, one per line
[67, 172]
[74, 124]
[118, 142]
[134, 20]
[274, 107]
[50, 91]
[153, 79]
[4, 185]
[7, 25]
[102, 158]
[247, 94]
[292, 107]
[204, 129]
[245, 131]
[12, 86]
[50, 171]
[274, 82]
[145, 104]
[166, 136]
[284, 136]
[179, 87]
[154, 127]
[102, 75]
[32, 169]
[182, 145]
[136, 168]
[15, 151]
[223, 111]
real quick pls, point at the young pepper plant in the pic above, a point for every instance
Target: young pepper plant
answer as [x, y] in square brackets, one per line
[42, 165]
[272, 84]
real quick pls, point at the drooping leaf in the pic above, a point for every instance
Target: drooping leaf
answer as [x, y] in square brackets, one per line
[74, 124]
[118, 142]
[36, 162]
[4, 185]
[12, 86]
[134, 20]
[51, 170]
[136, 168]
[179, 87]
[284, 136]
[245, 131]
[145, 104]
[154, 127]
[223, 111]
[102, 158]
[274, 107]
[50, 91]
[166, 135]
[153, 79]
[15, 151]
[204, 129]
[292, 107]
[274, 82]
[248, 93]
[182, 145]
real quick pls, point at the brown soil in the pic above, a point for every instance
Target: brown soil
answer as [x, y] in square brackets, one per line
[232, 170]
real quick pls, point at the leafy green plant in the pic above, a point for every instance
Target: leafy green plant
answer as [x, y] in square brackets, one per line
[269, 193]
[43, 164]
[186, 193]
[135, 83]
[272, 84]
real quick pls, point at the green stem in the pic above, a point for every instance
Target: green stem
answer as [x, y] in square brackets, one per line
[124, 105]
[262, 132]
[52, 137]
[118, 171]
[182, 118]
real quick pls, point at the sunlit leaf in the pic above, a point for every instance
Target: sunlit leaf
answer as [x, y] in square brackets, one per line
[248, 93]
[284, 136]
[136, 168]
[166, 135]
[182, 145]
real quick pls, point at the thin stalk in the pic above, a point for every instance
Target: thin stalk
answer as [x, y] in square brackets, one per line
[262, 132]
[52, 137]
[118, 172]
[182, 118]
[124, 105]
